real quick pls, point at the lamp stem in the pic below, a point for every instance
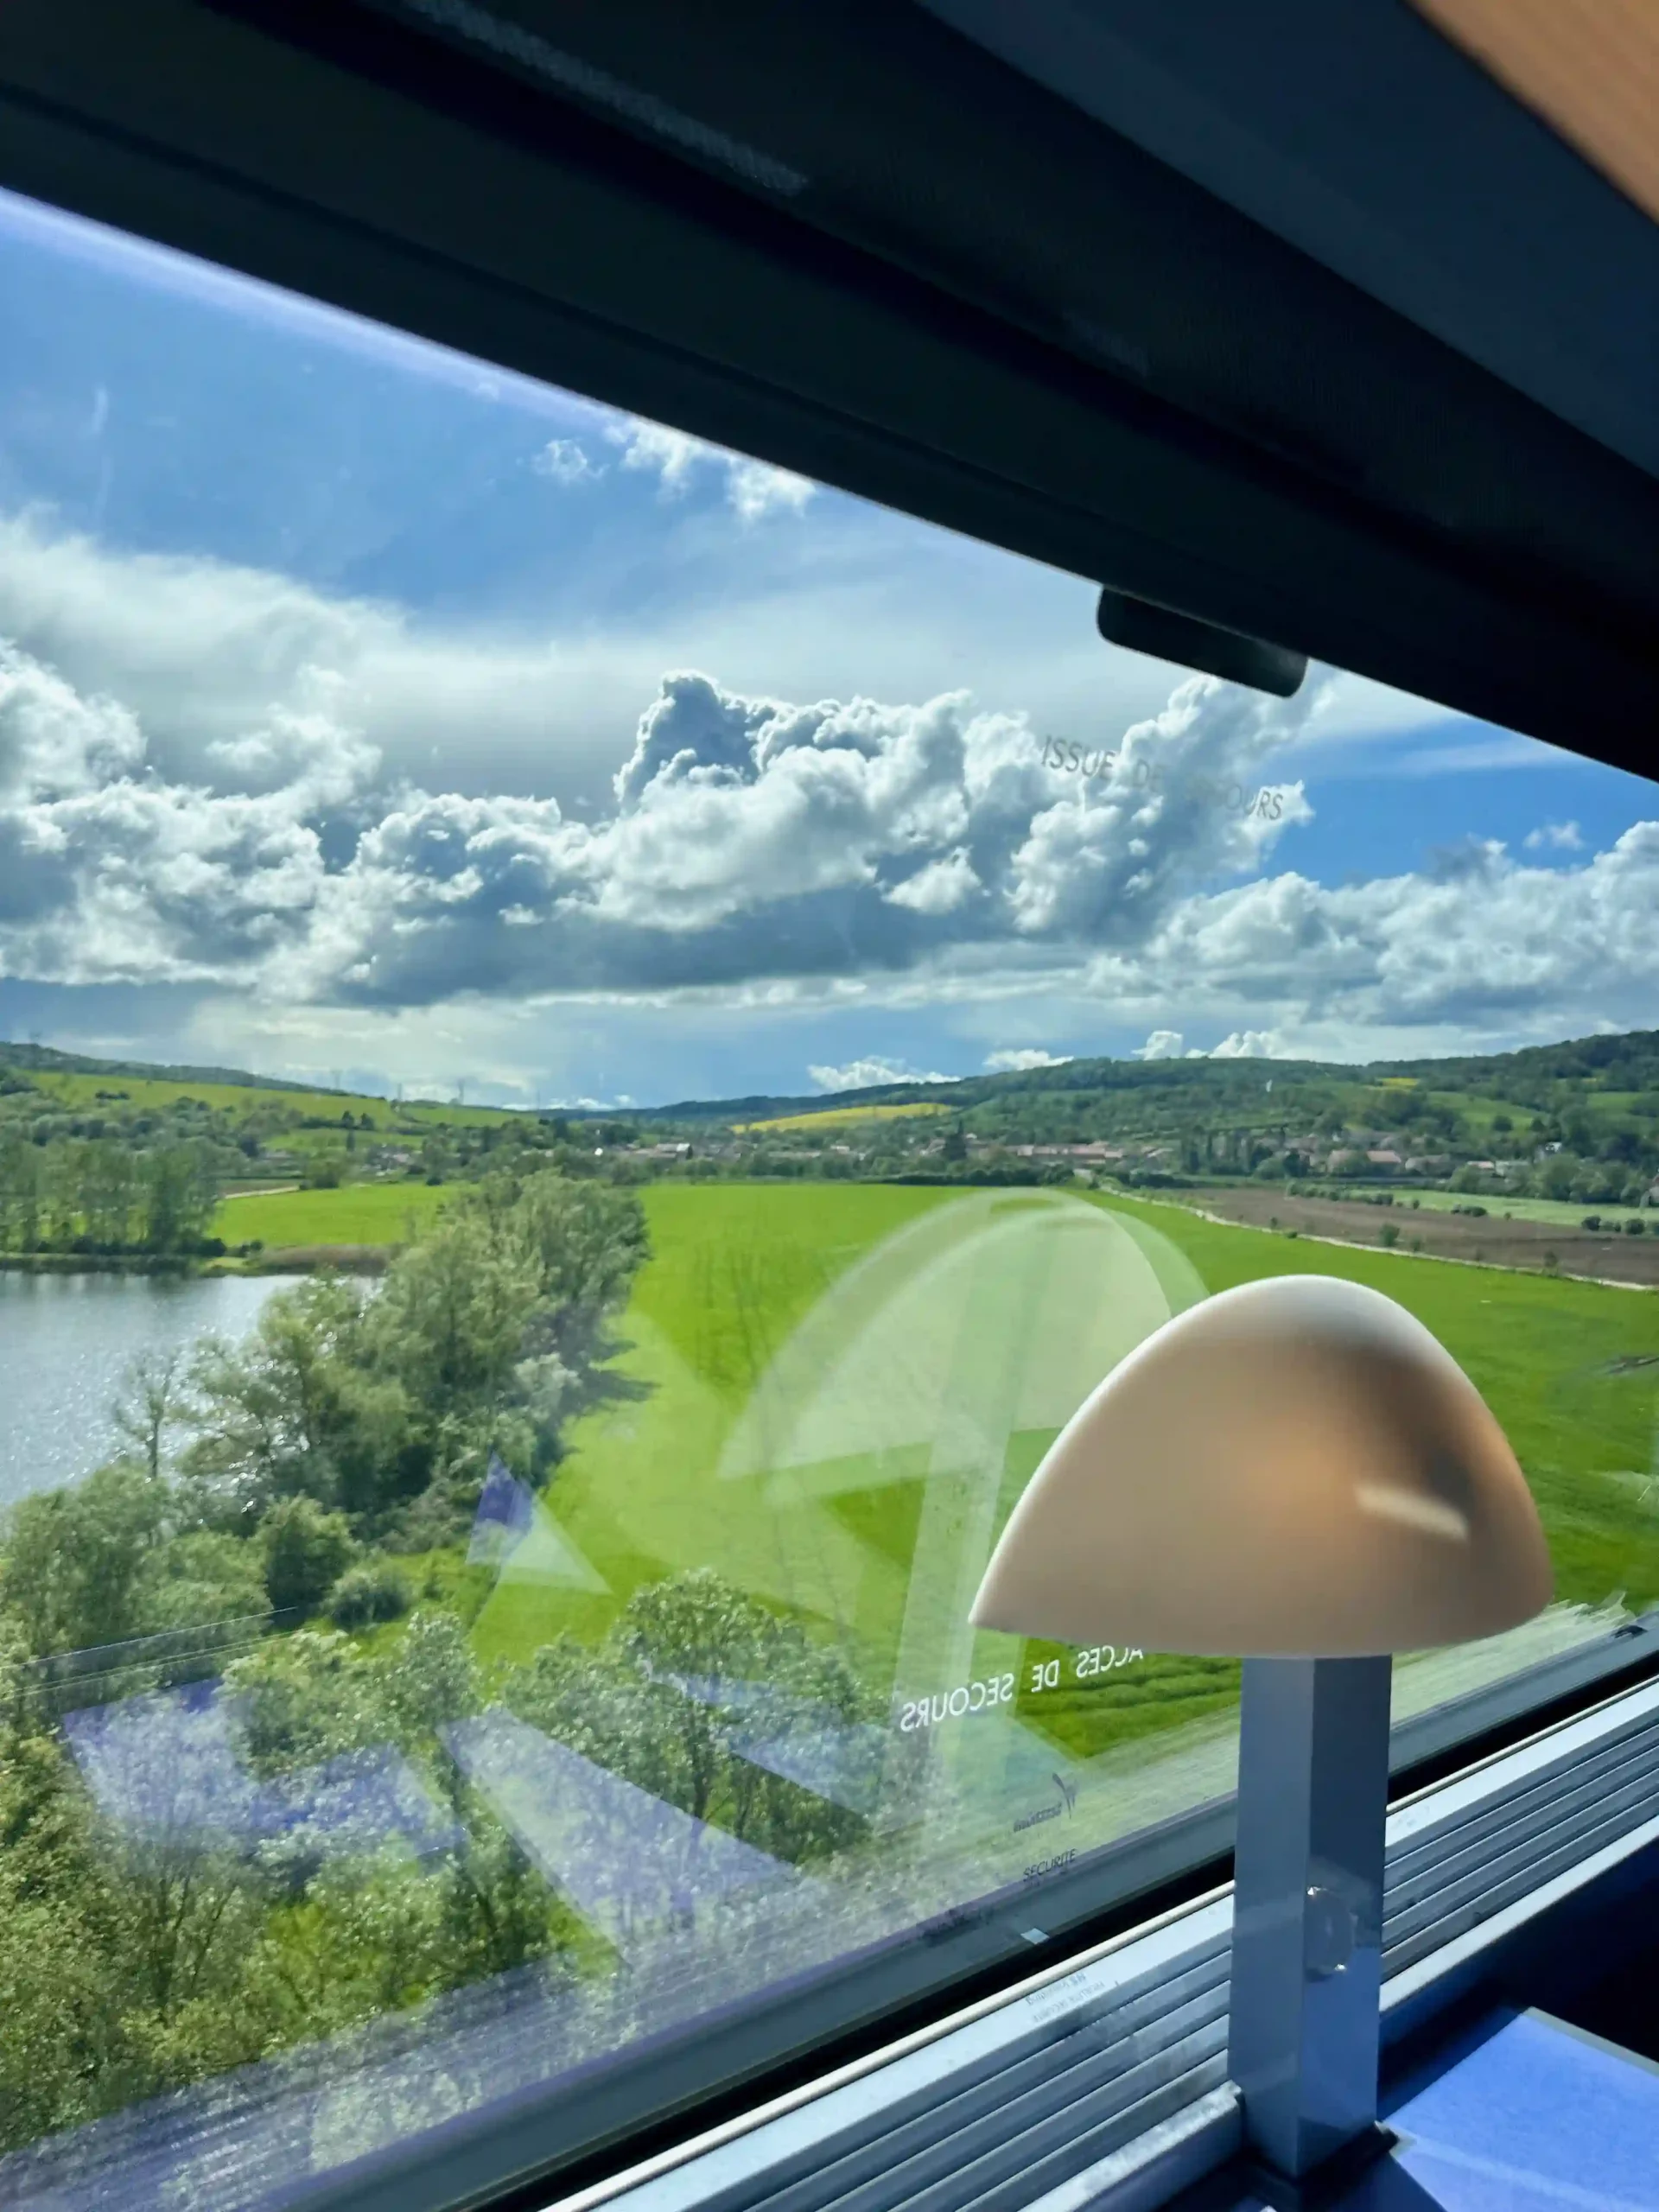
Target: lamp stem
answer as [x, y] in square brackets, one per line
[1307, 1906]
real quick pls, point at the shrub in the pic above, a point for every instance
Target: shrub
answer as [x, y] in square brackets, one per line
[1591, 1221]
[378, 1589]
[1635, 1226]
[307, 1551]
[1387, 1235]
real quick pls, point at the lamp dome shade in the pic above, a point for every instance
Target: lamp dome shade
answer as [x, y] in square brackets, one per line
[1297, 1468]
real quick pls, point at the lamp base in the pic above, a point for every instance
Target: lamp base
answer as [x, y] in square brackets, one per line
[1326, 2184]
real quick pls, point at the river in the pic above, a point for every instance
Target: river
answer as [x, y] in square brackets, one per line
[65, 1344]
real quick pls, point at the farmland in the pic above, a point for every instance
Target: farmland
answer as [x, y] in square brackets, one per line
[77, 1091]
[832, 1117]
[1493, 1235]
[377, 1215]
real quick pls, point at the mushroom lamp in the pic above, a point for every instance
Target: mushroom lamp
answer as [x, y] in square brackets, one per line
[1297, 1473]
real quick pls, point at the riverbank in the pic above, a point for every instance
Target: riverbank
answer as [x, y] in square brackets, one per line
[308, 1260]
[281, 1260]
[106, 1263]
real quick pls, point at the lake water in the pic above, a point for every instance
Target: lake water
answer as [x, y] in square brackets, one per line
[65, 1344]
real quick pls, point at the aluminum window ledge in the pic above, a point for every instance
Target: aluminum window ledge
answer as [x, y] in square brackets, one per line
[1102, 2082]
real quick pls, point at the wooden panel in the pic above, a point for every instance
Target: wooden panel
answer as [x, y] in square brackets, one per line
[1589, 67]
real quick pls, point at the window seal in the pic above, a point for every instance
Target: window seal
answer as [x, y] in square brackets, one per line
[840, 2019]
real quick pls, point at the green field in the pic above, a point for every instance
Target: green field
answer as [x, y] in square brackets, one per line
[1563, 1213]
[359, 1213]
[839, 1116]
[81, 1092]
[832, 1395]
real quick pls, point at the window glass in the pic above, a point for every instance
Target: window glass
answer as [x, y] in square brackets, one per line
[602, 1043]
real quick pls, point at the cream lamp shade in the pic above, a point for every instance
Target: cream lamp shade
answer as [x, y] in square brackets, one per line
[1294, 1468]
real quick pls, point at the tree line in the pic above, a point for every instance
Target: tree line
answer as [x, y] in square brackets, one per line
[97, 1195]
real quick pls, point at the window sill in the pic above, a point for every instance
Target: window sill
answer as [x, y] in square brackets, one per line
[1103, 2081]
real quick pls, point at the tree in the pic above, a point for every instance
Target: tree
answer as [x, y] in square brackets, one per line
[450, 1319]
[181, 1189]
[298, 1408]
[482, 1910]
[19, 1194]
[150, 1401]
[585, 1241]
[199, 1579]
[374, 1590]
[109, 1192]
[692, 1667]
[306, 1552]
[1556, 1177]
[71, 1571]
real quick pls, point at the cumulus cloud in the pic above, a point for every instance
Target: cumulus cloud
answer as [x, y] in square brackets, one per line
[939, 888]
[1494, 945]
[1248, 1045]
[755, 489]
[108, 874]
[1017, 1059]
[751, 838]
[755, 845]
[873, 1074]
[200, 653]
[1555, 837]
[566, 460]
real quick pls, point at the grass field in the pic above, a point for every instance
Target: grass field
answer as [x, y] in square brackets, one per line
[833, 1394]
[358, 1213]
[81, 1092]
[839, 1116]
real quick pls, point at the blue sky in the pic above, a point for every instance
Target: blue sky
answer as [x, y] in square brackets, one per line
[324, 650]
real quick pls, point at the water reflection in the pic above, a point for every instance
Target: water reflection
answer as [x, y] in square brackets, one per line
[66, 1342]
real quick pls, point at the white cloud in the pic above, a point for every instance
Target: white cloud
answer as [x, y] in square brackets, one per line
[755, 489]
[1248, 1045]
[54, 744]
[667, 454]
[1016, 1059]
[206, 776]
[1492, 946]
[939, 888]
[566, 460]
[871, 1074]
[201, 654]
[1162, 1045]
[1481, 755]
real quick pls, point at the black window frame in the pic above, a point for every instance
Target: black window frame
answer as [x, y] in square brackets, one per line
[236, 148]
